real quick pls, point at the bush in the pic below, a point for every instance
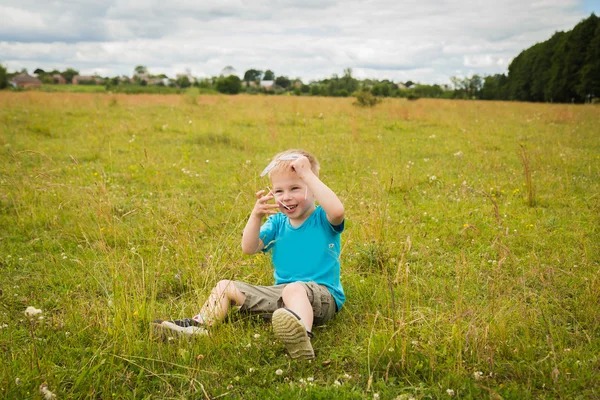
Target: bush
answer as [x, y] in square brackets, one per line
[366, 99]
[229, 85]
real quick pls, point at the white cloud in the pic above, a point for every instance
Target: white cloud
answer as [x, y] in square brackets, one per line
[420, 40]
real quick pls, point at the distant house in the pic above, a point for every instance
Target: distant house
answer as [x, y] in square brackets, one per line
[25, 80]
[140, 78]
[59, 79]
[267, 85]
[401, 86]
[86, 79]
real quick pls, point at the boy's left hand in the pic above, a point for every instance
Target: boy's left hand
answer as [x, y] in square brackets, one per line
[301, 166]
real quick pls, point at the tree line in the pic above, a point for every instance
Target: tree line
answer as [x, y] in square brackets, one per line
[565, 68]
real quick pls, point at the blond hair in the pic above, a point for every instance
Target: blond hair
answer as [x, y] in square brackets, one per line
[281, 165]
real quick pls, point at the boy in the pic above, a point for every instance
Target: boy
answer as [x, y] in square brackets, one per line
[304, 240]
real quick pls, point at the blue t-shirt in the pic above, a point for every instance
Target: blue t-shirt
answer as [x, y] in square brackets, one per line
[309, 253]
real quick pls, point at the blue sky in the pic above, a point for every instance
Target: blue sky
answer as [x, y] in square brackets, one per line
[426, 41]
[591, 6]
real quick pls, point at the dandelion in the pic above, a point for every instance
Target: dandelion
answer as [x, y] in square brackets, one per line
[46, 393]
[32, 311]
[450, 392]
[279, 372]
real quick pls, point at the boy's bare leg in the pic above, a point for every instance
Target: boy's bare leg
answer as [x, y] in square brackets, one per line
[293, 332]
[295, 298]
[223, 295]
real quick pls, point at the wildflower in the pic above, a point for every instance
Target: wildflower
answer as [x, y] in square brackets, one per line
[450, 392]
[32, 311]
[256, 335]
[337, 383]
[206, 160]
[433, 178]
[310, 379]
[375, 396]
[251, 370]
[46, 394]
[478, 375]
[190, 122]
[458, 154]
[279, 372]
[17, 381]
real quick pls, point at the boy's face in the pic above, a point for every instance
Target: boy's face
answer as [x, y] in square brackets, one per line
[292, 195]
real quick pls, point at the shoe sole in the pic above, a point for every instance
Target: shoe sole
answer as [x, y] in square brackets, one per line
[293, 334]
[166, 330]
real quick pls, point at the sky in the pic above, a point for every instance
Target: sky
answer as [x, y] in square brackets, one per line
[426, 41]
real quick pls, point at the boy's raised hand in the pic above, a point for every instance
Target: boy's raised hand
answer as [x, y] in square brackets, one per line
[301, 166]
[263, 207]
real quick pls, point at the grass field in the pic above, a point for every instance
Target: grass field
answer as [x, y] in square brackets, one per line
[470, 259]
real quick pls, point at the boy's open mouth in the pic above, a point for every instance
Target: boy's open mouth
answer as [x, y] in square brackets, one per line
[289, 207]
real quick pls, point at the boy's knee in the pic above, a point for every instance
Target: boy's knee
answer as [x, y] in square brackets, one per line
[293, 290]
[224, 286]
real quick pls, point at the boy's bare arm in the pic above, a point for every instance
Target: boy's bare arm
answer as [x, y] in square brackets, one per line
[334, 209]
[251, 242]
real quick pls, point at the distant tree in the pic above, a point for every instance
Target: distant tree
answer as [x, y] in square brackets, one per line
[3, 77]
[315, 90]
[183, 81]
[140, 69]
[69, 73]
[409, 84]
[231, 84]
[495, 87]
[269, 75]
[589, 87]
[283, 82]
[39, 71]
[252, 75]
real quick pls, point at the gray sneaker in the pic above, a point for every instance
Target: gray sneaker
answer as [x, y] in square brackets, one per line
[293, 334]
[178, 327]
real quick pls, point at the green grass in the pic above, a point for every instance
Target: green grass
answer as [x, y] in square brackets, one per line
[47, 87]
[463, 269]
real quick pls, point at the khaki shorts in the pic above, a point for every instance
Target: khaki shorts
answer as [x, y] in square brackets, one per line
[264, 300]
